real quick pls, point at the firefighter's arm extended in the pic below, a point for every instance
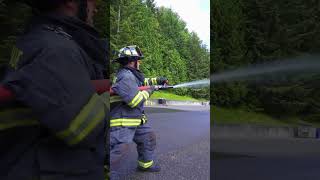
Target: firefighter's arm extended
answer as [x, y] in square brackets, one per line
[156, 81]
[127, 91]
[56, 85]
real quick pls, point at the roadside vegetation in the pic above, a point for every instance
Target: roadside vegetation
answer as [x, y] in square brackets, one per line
[171, 96]
[239, 116]
[247, 32]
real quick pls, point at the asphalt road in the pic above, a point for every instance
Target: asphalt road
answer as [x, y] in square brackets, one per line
[265, 159]
[183, 144]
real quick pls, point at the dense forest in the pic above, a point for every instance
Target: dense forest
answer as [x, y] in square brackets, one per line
[247, 32]
[170, 49]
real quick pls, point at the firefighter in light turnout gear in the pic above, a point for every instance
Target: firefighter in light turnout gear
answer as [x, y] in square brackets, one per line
[128, 121]
[56, 128]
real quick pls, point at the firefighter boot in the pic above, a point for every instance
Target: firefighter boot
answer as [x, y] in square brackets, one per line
[153, 168]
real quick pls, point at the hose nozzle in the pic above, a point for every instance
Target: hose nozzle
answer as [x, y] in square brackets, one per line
[164, 87]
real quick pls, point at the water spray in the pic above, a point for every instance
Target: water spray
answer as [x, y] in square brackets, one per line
[102, 86]
[194, 84]
[303, 64]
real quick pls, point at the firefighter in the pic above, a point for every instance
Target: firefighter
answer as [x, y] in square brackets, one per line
[58, 130]
[128, 121]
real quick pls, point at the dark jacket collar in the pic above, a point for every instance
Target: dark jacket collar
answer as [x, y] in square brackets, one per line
[138, 74]
[84, 35]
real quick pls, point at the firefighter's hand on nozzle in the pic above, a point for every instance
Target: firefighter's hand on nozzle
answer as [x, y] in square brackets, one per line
[152, 89]
[163, 81]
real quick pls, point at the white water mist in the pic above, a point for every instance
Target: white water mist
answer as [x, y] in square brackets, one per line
[194, 84]
[304, 64]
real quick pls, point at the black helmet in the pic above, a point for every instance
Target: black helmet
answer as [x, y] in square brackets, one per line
[47, 5]
[129, 53]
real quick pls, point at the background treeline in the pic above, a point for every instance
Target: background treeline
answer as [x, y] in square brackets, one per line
[247, 32]
[170, 49]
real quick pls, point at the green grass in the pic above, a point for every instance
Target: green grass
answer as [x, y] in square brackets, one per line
[237, 116]
[170, 96]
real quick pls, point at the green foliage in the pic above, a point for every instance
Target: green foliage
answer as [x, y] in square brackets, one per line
[12, 24]
[171, 96]
[248, 32]
[237, 116]
[170, 49]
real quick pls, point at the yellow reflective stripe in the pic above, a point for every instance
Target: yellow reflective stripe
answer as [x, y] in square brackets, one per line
[125, 122]
[16, 123]
[94, 122]
[91, 114]
[115, 99]
[114, 80]
[146, 81]
[17, 116]
[136, 100]
[154, 81]
[145, 164]
[145, 94]
[15, 56]
[106, 98]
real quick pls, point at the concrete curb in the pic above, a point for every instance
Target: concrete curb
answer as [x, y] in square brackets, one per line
[153, 102]
[252, 131]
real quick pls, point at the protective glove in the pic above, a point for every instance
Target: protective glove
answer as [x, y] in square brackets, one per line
[152, 89]
[163, 80]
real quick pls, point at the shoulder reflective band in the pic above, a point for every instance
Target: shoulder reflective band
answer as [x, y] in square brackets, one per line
[89, 117]
[17, 117]
[125, 122]
[145, 164]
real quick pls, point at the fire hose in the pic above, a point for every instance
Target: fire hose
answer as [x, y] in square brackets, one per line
[101, 86]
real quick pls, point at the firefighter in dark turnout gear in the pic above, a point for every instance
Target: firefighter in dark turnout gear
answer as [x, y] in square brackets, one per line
[128, 121]
[58, 130]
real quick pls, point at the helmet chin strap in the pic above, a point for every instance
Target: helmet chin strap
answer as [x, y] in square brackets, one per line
[136, 65]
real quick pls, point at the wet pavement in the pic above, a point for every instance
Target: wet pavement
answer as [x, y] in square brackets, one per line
[265, 159]
[183, 144]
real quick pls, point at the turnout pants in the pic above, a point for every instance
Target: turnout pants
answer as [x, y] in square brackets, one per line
[120, 137]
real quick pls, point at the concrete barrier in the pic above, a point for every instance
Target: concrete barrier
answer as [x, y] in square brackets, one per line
[153, 102]
[247, 131]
